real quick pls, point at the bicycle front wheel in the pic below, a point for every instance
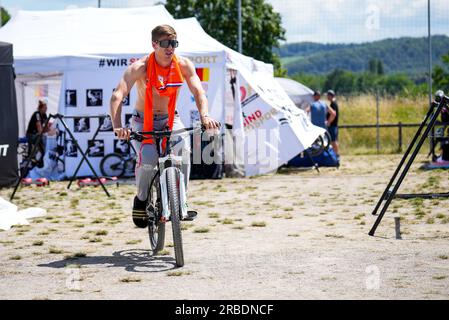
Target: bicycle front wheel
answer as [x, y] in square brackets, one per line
[175, 213]
[113, 165]
[156, 227]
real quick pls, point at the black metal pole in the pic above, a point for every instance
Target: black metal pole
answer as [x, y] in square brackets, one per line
[407, 167]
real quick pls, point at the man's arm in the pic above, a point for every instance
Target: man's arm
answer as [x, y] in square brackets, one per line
[122, 90]
[194, 83]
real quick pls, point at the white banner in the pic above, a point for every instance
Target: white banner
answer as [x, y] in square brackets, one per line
[86, 91]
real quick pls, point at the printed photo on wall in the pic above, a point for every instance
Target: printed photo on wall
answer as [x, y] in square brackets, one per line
[96, 148]
[122, 147]
[81, 124]
[70, 98]
[70, 149]
[105, 123]
[94, 97]
[128, 120]
[125, 99]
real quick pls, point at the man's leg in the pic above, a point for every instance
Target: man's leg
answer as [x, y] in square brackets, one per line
[146, 162]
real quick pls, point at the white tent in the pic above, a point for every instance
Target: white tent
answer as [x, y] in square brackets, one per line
[301, 95]
[91, 47]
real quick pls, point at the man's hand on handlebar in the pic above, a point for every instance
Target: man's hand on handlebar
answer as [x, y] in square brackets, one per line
[122, 133]
[210, 124]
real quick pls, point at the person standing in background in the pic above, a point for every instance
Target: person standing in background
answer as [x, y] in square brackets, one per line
[318, 112]
[333, 125]
[36, 127]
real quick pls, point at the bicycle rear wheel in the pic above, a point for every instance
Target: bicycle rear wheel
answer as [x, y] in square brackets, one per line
[113, 165]
[175, 212]
[156, 228]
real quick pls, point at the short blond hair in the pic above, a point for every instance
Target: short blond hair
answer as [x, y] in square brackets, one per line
[162, 30]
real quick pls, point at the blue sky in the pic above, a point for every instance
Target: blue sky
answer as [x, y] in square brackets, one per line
[327, 21]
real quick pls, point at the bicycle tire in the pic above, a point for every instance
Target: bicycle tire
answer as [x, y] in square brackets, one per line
[156, 229]
[175, 212]
[317, 148]
[113, 165]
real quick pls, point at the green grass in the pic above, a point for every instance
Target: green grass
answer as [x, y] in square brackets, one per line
[201, 230]
[101, 233]
[336, 236]
[164, 252]
[177, 273]
[362, 110]
[227, 221]
[130, 279]
[134, 241]
[38, 243]
[74, 203]
[259, 224]
[53, 250]
[75, 255]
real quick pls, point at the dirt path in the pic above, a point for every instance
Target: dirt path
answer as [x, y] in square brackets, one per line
[293, 235]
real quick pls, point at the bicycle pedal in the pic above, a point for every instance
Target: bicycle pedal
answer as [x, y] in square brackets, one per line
[191, 216]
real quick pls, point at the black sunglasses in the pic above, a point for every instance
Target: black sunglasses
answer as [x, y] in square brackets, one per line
[167, 43]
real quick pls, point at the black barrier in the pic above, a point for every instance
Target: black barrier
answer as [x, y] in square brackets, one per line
[8, 118]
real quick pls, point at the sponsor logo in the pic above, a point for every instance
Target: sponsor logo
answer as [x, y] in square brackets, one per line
[257, 118]
[4, 150]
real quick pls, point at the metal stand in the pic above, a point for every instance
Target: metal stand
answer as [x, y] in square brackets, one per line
[34, 149]
[81, 162]
[390, 191]
[24, 173]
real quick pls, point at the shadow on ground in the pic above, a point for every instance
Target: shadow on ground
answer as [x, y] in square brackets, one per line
[136, 260]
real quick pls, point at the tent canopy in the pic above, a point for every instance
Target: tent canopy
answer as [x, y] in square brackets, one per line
[301, 95]
[55, 36]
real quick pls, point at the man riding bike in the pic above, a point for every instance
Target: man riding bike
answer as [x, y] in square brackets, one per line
[158, 77]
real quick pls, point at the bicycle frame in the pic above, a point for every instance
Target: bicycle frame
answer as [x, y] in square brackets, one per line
[166, 161]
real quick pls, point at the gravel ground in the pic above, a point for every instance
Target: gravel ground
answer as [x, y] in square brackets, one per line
[297, 234]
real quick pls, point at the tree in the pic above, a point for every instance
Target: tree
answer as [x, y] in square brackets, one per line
[261, 26]
[5, 16]
[440, 75]
[341, 81]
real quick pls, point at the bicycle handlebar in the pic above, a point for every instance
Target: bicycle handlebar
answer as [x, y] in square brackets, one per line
[141, 135]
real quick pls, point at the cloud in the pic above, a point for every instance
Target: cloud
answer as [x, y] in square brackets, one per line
[331, 21]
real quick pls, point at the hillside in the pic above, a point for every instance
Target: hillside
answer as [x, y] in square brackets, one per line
[404, 55]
